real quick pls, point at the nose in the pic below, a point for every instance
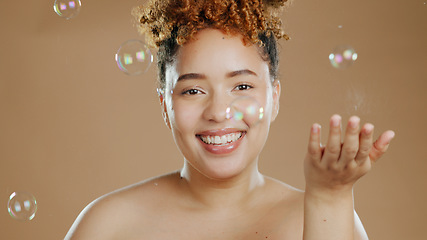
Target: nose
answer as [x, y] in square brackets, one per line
[215, 109]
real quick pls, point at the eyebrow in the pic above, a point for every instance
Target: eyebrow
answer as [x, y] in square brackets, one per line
[241, 72]
[228, 75]
[191, 76]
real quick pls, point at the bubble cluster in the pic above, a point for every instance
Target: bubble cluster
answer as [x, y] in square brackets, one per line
[245, 109]
[342, 56]
[22, 206]
[134, 57]
[67, 8]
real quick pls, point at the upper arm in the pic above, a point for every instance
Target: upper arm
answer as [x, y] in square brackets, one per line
[359, 230]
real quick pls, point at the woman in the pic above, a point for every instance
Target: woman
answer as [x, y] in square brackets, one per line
[211, 53]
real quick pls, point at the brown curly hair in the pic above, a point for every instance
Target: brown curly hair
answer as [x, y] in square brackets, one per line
[167, 24]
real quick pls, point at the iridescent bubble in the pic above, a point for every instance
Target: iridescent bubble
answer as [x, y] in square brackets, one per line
[245, 109]
[342, 56]
[67, 8]
[22, 206]
[134, 57]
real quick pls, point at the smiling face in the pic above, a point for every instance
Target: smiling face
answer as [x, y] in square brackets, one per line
[208, 74]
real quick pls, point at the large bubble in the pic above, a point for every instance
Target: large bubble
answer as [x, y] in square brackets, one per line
[134, 57]
[67, 8]
[245, 109]
[22, 206]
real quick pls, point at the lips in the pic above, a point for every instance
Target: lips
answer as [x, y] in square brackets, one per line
[221, 141]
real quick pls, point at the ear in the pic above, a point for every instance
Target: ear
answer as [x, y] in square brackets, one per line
[276, 98]
[160, 93]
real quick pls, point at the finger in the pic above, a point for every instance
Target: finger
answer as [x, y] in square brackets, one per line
[314, 147]
[351, 141]
[333, 147]
[365, 145]
[380, 146]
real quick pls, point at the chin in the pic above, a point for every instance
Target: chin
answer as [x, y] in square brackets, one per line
[222, 170]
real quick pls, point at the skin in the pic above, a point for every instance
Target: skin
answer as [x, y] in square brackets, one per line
[220, 194]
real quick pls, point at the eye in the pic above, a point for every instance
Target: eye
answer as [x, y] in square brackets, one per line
[191, 92]
[242, 87]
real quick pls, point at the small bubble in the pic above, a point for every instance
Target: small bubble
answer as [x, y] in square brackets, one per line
[22, 206]
[134, 57]
[339, 26]
[342, 56]
[245, 109]
[67, 8]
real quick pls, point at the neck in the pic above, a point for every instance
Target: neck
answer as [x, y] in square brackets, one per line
[237, 192]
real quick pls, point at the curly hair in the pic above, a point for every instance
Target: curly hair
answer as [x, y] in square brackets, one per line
[168, 24]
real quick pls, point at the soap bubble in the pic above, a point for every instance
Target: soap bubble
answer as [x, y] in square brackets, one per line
[245, 109]
[134, 57]
[342, 56]
[22, 206]
[67, 8]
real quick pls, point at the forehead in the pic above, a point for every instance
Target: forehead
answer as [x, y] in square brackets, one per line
[212, 52]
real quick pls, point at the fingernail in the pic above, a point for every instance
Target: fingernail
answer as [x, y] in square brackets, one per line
[392, 134]
[369, 128]
[336, 119]
[354, 122]
[316, 128]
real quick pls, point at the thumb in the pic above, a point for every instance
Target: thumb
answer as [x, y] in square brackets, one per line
[381, 145]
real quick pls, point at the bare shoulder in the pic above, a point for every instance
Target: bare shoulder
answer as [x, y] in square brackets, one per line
[287, 214]
[286, 193]
[113, 214]
[359, 230]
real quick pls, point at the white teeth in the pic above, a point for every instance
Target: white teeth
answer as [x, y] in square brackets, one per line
[220, 140]
[223, 138]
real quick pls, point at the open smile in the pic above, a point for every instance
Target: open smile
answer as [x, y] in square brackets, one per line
[221, 141]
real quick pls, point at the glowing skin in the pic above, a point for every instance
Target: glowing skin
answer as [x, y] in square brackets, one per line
[219, 193]
[204, 81]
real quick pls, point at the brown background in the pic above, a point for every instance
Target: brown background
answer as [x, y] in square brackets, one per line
[74, 127]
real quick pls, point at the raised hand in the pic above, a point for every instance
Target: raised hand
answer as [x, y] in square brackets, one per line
[330, 174]
[339, 164]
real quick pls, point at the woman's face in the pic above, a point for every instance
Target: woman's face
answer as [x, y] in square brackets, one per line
[209, 73]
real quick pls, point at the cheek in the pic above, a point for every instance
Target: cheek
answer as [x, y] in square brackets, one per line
[269, 101]
[265, 99]
[185, 116]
